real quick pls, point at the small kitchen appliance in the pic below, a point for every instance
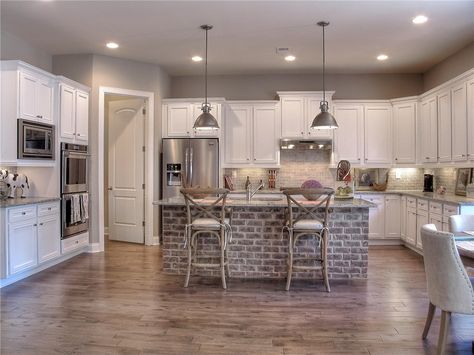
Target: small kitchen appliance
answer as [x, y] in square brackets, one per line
[428, 183]
[35, 140]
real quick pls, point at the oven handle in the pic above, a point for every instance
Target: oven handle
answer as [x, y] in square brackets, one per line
[67, 154]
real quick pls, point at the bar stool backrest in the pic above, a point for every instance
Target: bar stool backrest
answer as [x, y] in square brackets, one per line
[321, 198]
[196, 210]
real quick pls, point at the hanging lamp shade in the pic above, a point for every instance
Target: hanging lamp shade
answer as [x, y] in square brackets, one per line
[206, 121]
[324, 119]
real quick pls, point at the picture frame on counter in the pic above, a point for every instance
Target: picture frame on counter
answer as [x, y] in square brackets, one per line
[463, 178]
[365, 178]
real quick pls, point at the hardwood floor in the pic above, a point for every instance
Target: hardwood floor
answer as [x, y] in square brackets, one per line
[120, 303]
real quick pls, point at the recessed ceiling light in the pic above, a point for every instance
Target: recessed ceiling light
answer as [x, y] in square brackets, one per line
[418, 20]
[196, 58]
[290, 58]
[382, 57]
[112, 45]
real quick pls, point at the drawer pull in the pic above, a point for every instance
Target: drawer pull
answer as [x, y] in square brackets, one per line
[35, 225]
[49, 208]
[41, 224]
[23, 213]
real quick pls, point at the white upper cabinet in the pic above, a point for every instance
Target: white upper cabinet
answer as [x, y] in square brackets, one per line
[378, 139]
[298, 110]
[428, 132]
[35, 97]
[470, 119]
[252, 134]
[179, 117]
[404, 132]
[459, 122]
[444, 126]
[349, 137]
[73, 111]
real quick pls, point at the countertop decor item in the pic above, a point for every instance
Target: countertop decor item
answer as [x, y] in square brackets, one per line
[311, 184]
[324, 120]
[272, 178]
[365, 178]
[470, 190]
[382, 186]
[206, 121]
[344, 184]
[463, 178]
[441, 190]
[4, 190]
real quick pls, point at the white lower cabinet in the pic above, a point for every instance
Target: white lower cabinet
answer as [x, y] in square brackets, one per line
[49, 245]
[437, 220]
[376, 217]
[22, 246]
[403, 217]
[392, 217]
[74, 243]
[384, 220]
[411, 226]
[421, 219]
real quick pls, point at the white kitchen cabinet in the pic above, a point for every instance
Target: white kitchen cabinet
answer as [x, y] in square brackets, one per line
[403, 217]
[35, 97]
[437, 220]
[178, 119]
[22, 246]
[252, 134]
[376, 216]
[378, 134]
[298, 109]
[49, 242]
[411, 226]
[392, 217]
[470, 118]
[421, 219]
[444, 126]
[404, 132]
[73, 111]
[459, 122]
[428, 132]
[349, 137]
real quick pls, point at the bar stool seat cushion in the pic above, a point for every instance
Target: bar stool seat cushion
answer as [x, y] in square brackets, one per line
[208, 223]
[308, 224]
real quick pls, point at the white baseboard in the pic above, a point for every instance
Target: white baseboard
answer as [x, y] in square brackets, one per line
[106, 230]
[385, 242]
[155, 240]
[94, 248]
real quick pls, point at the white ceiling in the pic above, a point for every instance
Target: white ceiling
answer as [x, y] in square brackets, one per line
[246, 33]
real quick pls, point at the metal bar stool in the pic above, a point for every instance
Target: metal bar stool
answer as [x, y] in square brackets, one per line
[308, 222]
[207, 219]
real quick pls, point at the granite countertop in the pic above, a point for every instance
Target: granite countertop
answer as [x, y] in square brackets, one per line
[273, 202]
[13, 202]
[448, 198]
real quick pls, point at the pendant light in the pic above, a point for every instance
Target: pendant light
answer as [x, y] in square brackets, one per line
[206, 121]
[324, 120]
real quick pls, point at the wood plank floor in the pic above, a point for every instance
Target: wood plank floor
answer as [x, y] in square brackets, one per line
[120, 303]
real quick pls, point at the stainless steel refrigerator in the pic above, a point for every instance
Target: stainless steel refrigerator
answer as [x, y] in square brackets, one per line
[189, 162]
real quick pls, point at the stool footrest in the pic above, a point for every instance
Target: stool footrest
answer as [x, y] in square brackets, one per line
[302, 267]
[309, 258]
[207, 265]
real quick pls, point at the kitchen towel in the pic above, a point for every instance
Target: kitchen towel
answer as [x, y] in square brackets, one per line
[84, 207]
[75, 209]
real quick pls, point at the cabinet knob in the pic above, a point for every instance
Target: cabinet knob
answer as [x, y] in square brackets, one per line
[358, 159]
[302, 133]
[248, 158]
[74, 134]
[309, 133]
[396, 158]
[23, 213]
[41, 224]
[254, 158]
[35, 225]
[78, 134]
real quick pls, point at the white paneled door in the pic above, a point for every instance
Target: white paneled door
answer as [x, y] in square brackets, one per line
[126, 170]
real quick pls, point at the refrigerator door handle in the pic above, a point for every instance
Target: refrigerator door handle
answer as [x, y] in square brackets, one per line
[191, 167]
[186, 160]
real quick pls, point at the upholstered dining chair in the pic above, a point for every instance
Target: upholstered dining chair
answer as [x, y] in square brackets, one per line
[207, 219]
[460, 223]
[449, 286]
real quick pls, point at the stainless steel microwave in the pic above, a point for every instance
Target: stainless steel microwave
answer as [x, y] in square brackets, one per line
[35, 140]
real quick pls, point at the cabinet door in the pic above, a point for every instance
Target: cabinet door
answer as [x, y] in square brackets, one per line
[292, 118]
[411, 227]
[179, 120]
[67, 112]
[22, 246]
[459, 133]
[82, 116]
[404, 133]
[392, 217]
[437, 220]
[312, 109]
[349, 136]
[421, 219]
[266, 147]
[215, 111]
[444, 126]
[376, 217]
[470, 119]
[238, 139]
[27, 99]
[49, 238]
[428, 133]
[403, 217]
[44, 101]
[378, 138]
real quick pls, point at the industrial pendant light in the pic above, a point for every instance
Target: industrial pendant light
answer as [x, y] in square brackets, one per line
[206, 121]
[324, 120]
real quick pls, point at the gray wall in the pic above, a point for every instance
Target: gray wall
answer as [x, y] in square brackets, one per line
[449, 68]
[117, 73]
[14, 48]
[264, 87]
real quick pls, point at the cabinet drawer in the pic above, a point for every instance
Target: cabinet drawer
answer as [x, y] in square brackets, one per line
[422, 205]
[436, 207]
[73, 243]
[411, 202]
[45, 209]
[449, 210]
[22, 213]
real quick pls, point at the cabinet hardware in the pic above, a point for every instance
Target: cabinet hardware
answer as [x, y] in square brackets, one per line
[49, 208]
[41, 224]
[23, 213]
[302, 133]
[74, 134]
[35, 225]
[78, 134]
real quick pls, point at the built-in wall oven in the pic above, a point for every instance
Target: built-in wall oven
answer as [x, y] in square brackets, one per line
[74, 189]
[35, 140]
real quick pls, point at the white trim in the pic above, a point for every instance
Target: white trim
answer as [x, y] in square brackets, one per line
[106, 230]
[94, 248]
[448, 83]
[394, 241]
[149, 150]
[156, 240]
[193, 100]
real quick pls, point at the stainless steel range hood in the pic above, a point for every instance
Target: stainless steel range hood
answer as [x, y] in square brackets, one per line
[306, 144]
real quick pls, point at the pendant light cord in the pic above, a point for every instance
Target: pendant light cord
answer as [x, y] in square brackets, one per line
[324, 66]
[205, 72]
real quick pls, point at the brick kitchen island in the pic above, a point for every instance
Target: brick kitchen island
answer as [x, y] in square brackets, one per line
[258, 250]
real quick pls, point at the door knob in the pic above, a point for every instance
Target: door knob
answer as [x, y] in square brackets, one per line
[110, 189]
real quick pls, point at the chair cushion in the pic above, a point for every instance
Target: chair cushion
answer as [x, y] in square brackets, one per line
[208, 223]
[308, 224]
